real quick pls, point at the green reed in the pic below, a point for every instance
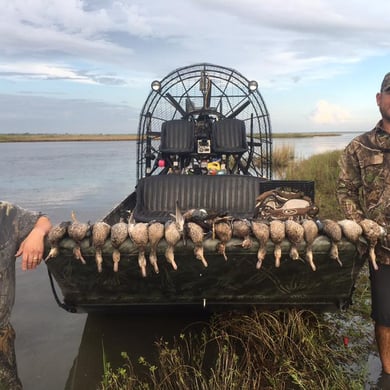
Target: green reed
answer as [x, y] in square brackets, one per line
[285, 349]
[323, 170]
[282, 157]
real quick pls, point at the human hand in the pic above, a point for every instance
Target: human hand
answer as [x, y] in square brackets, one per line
[32, 248]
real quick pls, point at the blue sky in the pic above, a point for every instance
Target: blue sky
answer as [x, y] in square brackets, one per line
[85, 66]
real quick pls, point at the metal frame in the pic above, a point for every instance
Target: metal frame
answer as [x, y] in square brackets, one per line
[206, 89]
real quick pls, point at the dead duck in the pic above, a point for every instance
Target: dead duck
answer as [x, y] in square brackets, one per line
[223, 230]
[242, 229]
[277, 233]
[119, 235]
[295, 235]
[196, 234]
[173, 232]
[333, 230]
[100, 233]
[261, 232]
[138, 232]
[372, 231]
[155, 234]
[55, 235]
[199, 216]
[351, 230]
[310, 234]
[77, 231]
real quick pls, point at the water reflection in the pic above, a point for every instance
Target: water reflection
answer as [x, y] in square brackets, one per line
[133, 333]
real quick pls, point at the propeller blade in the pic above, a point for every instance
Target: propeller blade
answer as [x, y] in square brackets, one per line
[175, 104]
[190, 106]
[207, 96]
[239, 109]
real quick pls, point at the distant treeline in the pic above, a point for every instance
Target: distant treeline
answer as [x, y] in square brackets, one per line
[29, 137]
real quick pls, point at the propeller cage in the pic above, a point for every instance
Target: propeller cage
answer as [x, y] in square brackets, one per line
[202, 113]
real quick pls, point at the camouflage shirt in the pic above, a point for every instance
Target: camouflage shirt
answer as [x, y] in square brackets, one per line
[15, 224]
[363, 188]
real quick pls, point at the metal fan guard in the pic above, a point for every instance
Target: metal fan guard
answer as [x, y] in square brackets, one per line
[217, 91]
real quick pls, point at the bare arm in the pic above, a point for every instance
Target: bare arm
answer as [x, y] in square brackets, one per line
[32, 248]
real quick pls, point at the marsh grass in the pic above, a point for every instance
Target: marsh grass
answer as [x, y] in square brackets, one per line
[321, 168]
[282, 157]
[289, 349]
[324, 170]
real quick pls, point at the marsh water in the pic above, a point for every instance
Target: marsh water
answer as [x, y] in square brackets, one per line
[56, 349]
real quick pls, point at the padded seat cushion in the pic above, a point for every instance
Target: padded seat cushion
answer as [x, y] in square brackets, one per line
[234, 194]
[229, 136]
[177, 137]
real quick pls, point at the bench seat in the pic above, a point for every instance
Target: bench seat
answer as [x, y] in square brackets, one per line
[156, 196]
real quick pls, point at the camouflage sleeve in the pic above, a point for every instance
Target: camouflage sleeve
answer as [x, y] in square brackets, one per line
[349, 184]
[27, 220]
[17, 222]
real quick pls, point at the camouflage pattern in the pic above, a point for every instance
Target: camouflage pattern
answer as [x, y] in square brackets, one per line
[8, 372]
[222, 285]
[363, 188]
[15, 224]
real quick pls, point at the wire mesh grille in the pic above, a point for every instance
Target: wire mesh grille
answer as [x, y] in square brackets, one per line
[183, 93]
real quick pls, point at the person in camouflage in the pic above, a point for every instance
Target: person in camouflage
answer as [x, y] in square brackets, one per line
[363, 191]
[23, 229]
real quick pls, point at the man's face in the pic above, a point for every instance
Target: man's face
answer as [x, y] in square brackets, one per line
[383, 101]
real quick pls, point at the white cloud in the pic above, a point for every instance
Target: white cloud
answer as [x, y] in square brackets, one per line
[41, 71]
[72, 17]
[19, 114]
[283, 45]
[267, 38]
[327, 113]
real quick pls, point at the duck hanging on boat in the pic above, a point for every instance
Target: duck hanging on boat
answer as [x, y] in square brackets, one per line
[174, 230]
[155, 235]
[119, 235]
[100, 234]
[204, 174]
[78, 231]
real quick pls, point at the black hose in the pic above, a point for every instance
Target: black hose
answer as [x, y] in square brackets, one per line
[63, 305]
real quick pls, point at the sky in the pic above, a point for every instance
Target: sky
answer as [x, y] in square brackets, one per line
[85, 66]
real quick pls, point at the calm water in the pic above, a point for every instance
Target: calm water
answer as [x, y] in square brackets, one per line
[56, 349]
[306, 147]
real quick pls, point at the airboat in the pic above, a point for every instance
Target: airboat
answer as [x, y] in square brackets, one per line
[204, 143]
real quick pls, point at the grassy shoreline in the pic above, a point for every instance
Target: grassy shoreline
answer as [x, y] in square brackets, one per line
[43, 137]
[66, 137]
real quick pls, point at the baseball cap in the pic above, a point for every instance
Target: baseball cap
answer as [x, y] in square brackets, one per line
[385, 87]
